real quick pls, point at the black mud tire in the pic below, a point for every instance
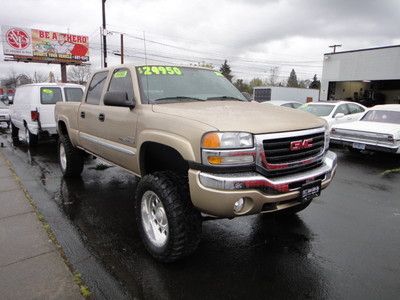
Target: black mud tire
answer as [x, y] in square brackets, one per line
[74, 163]
[32, 139]
[14, 134]
[184, 221]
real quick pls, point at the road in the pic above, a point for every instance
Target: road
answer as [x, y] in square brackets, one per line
[344, 245]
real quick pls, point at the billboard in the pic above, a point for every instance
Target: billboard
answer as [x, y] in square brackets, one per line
[46, 46]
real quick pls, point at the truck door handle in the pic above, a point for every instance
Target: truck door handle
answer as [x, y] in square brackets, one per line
[102, 117]
[82, 114]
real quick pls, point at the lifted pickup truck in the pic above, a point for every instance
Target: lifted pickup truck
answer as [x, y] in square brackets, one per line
[201, 149]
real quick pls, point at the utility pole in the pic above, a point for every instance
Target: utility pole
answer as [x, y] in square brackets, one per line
[103, 2]
[334, 47]
[122, 48]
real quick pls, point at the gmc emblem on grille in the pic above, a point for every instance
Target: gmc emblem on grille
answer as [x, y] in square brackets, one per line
[301, 144]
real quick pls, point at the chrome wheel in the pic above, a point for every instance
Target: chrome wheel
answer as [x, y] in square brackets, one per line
[154, 219]
[63, 157]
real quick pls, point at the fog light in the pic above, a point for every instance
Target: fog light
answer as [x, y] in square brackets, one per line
[237, 207]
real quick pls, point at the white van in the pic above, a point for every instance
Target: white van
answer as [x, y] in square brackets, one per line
[32, 110]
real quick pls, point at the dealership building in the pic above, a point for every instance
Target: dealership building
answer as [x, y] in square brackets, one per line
[370, 76]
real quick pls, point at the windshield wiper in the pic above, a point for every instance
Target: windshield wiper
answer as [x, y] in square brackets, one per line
[224, 98]
[178, 97]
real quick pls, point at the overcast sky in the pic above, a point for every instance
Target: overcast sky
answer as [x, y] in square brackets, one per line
[253, 35]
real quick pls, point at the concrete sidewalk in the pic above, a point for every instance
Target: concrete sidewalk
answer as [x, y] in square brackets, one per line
[31, 267]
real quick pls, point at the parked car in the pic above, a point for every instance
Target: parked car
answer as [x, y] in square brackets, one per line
[199, 147]
[4, 113]
[32, 110]
[377, 130]
[335, 112]
[291, 104]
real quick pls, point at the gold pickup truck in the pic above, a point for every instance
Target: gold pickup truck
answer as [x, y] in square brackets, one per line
[200, 148]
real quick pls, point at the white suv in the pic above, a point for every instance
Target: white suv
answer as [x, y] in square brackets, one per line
[33, 108]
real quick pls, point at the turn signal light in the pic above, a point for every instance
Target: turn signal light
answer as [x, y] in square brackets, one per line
[214, 160]
[211, 140]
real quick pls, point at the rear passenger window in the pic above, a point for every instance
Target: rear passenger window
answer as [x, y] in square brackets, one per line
[342, 109]
[73, 94]
[355, 109]
[50, 95]
[121, 81]
[96, 88]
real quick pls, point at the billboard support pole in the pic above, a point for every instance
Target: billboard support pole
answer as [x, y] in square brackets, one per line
[103, 2]
[63, 73]
[122, 49]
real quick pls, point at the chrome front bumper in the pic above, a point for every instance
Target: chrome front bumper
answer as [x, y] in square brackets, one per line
[216, 194]
[252, 180]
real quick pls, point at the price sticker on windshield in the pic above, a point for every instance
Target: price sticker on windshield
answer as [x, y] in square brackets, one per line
[120, 74]
[159, 70]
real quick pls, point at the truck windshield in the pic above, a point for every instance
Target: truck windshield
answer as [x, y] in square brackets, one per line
[177, 84]
[382, 116]
[320, 110]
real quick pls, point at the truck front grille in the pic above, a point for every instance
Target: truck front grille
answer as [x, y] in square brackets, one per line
[278, 151]
[289, 153]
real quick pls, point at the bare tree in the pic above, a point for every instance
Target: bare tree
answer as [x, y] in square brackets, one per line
[272, 80]
[39, 77]
[79, 74]
[12, 80]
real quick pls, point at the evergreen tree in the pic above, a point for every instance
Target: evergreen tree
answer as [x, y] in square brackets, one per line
[292, 80]
[315, 84]
[243, 86]
[226, 70]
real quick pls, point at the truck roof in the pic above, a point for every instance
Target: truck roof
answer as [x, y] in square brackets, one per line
[53, 84]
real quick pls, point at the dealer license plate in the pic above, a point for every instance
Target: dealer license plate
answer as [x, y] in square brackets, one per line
[310, 190]
[359, 146]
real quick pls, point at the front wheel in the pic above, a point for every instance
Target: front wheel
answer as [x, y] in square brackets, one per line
[71, 159]
[169, 225]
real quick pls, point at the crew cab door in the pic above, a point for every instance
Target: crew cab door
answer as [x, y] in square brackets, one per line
[119, 125]
[91, 128]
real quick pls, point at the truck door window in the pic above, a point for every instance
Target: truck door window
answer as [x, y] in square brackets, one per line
[121, 81]
[96, 88]
[50, 95]
[73, 94]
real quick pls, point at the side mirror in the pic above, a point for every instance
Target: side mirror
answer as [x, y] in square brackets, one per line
[116, 98]
[339, 115]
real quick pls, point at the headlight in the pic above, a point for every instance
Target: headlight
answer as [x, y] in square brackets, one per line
[228, 149]
[227, 140]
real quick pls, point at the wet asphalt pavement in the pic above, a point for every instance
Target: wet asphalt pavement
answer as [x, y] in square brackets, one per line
[346, 244]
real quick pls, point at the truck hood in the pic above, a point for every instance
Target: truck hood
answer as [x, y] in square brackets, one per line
[374, 127]
[242, 116]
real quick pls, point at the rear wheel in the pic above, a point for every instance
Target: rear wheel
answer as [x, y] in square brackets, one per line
[71, 159]
[14, 134]
[30, 138]
[169, 225]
